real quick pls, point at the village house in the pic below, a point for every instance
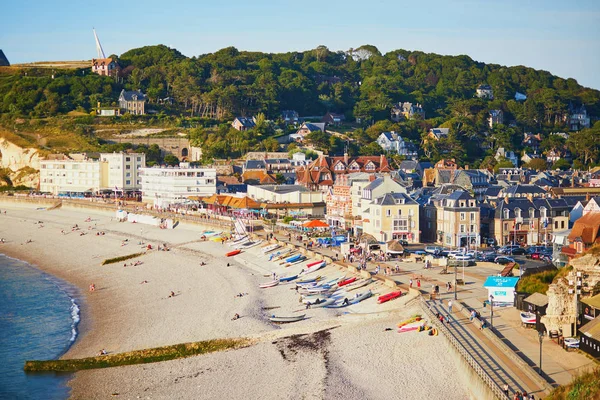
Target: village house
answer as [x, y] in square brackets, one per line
[323, 172]
[495, 117]
[532, 141]
[105, 66]
[523, 191]
[290, 117]
[406, 110]
[391, 141]
[333, 119]
[485, 92]
[516, 221]
[508, 154]
[475, 181]
[134, 102]
[392, 216]
[438, 133]
[451, 217]
[243, 123]
[441, 173]
[584, 234]
[578, 117]
[307, 128]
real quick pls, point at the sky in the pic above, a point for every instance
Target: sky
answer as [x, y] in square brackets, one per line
[562, 37]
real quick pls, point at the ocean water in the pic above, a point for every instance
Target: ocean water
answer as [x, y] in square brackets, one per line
[38, 321]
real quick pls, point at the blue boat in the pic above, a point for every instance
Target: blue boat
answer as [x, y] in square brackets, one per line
[288, 278]
[293, 258]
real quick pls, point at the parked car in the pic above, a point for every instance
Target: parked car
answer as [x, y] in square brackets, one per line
[464, 257]
[503, 260]
[490, 241]
[572, 343]
[432, 249]
[403, 242]
[487, 257]
[508, 248]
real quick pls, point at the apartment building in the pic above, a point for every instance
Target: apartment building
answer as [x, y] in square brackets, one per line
[124, 170]
[70, 177]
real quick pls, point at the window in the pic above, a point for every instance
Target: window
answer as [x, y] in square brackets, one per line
[506, 214]
[399, 212]
[462, 228]
[462, 216]
[388, 213]
[473, 218]
[544, 212]
[531, 213]
[472, 228]
[377, 212]
[127, 159]
[555, 224]
[505, 226]
[128, 182]
[400, 225]
[562, 224]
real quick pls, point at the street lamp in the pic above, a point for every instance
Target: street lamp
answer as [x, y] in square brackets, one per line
[455, 294]
[492, 312]
[541, 338]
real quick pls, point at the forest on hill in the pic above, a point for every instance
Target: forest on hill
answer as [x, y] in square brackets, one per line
[361, 83]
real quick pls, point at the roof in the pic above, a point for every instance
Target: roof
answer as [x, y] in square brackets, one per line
[499, 281]
[255, 164]
[591, 329]
[586, 228]
[537, 299]
[460, 195]
[260, 176]
[283, 189]
[408, 164]
[3, 60]
[593, 301]
[439, 132]
[132, 95]
[246, 122]
[314, 126]
[484, 87]
[524, 189]
[389, 199]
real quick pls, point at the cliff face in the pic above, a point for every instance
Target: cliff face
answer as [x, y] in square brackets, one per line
[15, 157]
[23, 163]
[562, 308]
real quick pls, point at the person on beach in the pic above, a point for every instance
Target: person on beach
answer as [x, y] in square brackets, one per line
[92, 287]
[505, 389]
[449, 309]
[418, 283]
[236, 316]
[410, 283]
[172, 294]
[102, 352]
[142, 282]
[473, 315]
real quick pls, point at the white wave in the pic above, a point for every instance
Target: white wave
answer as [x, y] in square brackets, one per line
[76, 318]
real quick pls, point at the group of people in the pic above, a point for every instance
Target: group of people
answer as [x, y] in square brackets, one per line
[135, 264]
[410, 283]
[92, 287]
[518, 395]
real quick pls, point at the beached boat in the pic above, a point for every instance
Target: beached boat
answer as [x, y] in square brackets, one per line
[317, 289]
[293, 258]
[233, 253]
[282, 319]
[313, 263]
[345, 282]
[212, 233]
[271, 247]
[298, 261]
[413, 326]
[269, 284]
[288, 278]
[313, 268]
[284, 254]
[358, 284]
[313, 298]
[414, 318]
[248, 245]
[528, 318]
[308, 280]
[361, 296]
[321, 304]
[239, 240]
[389, 296]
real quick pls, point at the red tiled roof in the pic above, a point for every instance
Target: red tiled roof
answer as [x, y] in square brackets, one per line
[587, 228]
[325, 164]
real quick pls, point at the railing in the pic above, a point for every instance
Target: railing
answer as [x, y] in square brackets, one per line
[479, 370]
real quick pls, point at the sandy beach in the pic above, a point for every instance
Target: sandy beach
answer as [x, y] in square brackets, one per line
[334, 353]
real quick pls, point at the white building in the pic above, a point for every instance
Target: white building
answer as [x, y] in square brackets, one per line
[284, 194]
[72, 177]
[162, 186]
[391, 141]
[124, 169]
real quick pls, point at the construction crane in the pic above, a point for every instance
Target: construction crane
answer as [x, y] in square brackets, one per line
[99, 48]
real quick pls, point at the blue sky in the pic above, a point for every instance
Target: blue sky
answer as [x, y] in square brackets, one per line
[562, 37]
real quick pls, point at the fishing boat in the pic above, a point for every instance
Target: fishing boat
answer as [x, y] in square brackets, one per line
[321, 304]
[270, 248]
[269, 284]
[233, 253]
[293, 258]
[389, 296]
[313, 263]
[288, 278]
[345, 282]
[360, 297]
[248, 245]
[282, 319]
[239, 240]
[314, 268]
[298, 261]
[308, 280]
[528, 318]
[358, 284]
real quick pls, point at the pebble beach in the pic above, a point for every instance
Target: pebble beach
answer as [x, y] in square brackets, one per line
[348, 352]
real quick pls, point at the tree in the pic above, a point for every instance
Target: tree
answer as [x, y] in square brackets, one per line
[318, 139]
[171, 160]
[270, 144]
[561, 164]
[539, 164]
[503, 163]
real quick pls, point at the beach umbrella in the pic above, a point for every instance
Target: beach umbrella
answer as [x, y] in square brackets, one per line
[315, 223]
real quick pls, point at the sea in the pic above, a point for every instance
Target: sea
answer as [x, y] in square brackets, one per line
[38, 321]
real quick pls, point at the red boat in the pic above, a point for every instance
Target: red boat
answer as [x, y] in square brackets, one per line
[346, 281]
[389, 296]
[313, 263]
[233, 253]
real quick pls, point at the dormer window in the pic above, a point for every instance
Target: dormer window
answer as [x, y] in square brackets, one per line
[354, 166]
[518, 212]
[339, 167]
[544, 212]
[531, 213]
[506, 213]
[370, 166]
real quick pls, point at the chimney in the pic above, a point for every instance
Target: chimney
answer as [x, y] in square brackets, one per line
[506, 199]
[587, 196]
[467, 167]
[381, 157]
[530, 196]
[346, 158]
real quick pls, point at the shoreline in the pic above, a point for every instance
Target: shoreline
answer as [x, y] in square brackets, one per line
[123, 314]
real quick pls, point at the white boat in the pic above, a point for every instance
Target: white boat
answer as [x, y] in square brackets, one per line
[239, 240]
[271, 247]
[322, 304]
[269, 284]
[528, 318]
[312, 299]
[282, 319]
[314, 268]
[358, 284]
[346, 301]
